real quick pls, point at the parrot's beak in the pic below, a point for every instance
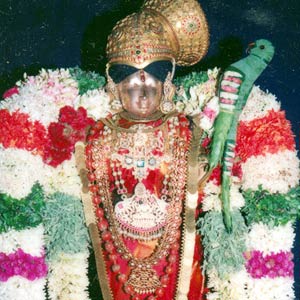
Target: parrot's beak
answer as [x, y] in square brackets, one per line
[250, 46]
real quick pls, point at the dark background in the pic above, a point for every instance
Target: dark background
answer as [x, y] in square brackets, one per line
[68, 33]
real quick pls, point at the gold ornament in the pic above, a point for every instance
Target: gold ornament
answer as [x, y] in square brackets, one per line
[162, 30]
[167, 105]
[112, 90]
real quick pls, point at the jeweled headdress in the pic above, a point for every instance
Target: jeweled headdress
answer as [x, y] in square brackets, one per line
[162, 30]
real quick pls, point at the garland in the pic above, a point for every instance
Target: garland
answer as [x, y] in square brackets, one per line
[273, 265]
[223, 251]
[269, 134]
[18, 131]
[266, 174]
[22, 214]
[271, 209]
[87, 81]
[62, 217]
[45, 115]
[22, 264]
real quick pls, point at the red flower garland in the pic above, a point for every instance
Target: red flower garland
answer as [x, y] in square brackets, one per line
[63, 135]
[17, 131]
[56, 145]
[269, 134]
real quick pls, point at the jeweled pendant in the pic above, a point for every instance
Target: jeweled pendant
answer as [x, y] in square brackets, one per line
[143, 280]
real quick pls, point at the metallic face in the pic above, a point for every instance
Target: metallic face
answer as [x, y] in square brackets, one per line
[140, 94]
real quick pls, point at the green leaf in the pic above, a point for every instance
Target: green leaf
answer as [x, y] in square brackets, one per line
[271, 209]
[64, 225]
[87, 80]
[223, 251]
[23, 213]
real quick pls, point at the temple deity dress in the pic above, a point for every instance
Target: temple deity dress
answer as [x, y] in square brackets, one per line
[189, 189]
[142, 162]
[139, 174]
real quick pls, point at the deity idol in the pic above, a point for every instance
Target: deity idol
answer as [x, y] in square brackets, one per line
[144, 162]
[189, 193]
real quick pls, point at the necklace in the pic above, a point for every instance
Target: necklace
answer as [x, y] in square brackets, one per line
[164, 211]
[155, 116]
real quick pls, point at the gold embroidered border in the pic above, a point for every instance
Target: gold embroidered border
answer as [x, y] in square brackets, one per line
[189, 226]
[91, 222]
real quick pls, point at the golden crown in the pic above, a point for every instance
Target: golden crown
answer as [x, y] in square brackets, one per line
[162, 30]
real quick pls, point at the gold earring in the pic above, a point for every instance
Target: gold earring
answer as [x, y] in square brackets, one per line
[167, 105]
[112, 90]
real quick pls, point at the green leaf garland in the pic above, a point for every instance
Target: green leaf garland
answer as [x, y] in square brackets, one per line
[87, 80]
[271, 209]
[223, 251]
[64, 225]
[23, 213]
[190, 80]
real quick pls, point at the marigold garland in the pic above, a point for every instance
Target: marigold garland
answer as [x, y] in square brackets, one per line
[24, 213]
[269, 134]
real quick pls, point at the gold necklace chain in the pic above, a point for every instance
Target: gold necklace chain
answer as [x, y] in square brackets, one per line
[144, 266]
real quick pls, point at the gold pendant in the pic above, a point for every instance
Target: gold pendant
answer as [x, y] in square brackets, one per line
[143, 280]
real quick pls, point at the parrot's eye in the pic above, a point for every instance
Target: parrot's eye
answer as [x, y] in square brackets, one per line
[262, 47]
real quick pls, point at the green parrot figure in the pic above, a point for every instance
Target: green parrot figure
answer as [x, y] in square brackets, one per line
[234, 89]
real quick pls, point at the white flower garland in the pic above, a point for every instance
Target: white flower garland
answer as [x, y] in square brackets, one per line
[67, 278]
[275, 172]
[18, 288]
[212, 202]
[258, 105]
[64, 178]
[43, 95]
[96, 102]
[31, 241]
[21, 169]
[268, 240]
[240, 286]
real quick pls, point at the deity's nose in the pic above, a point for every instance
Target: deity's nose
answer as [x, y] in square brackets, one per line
[143, 96]
[143, 101]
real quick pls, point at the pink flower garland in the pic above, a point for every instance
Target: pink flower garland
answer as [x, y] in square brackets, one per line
[10, 92]
[22, 264]
[272, 265]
